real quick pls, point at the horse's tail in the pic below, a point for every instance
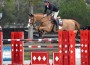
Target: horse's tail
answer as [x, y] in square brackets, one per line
[77, 26]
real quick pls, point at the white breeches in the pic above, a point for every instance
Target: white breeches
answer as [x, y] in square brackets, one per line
[55, 14]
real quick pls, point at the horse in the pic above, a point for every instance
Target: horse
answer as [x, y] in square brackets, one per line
[47, 26]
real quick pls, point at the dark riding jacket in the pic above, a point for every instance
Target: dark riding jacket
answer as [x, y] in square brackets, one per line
[51, 7]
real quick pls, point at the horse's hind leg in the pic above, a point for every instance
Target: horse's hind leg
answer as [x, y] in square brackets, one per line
[40, 33]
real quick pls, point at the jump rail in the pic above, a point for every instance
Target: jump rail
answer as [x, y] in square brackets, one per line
[32, 40]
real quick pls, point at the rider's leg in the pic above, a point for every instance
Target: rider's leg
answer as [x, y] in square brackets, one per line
[55, 14]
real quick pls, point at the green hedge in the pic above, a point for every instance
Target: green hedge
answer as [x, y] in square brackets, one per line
[75, 9]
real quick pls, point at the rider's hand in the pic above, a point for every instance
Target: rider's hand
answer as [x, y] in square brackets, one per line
[45, 15]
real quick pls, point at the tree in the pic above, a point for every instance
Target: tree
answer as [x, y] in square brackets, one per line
[16, 11]
[74, 9]
[8, 9]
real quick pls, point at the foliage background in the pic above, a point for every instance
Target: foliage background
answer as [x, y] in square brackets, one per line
[15, 12]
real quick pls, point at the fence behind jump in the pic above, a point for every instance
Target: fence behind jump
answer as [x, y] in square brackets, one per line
[64, 56]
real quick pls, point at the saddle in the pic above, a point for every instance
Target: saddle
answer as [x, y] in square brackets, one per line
[58, 22]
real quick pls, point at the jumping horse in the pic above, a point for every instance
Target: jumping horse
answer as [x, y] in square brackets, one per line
[47, 26]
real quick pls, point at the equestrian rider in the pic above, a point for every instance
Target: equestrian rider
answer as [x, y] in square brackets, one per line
[54, 11]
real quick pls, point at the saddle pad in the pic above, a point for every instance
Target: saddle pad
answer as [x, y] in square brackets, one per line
[60, 22]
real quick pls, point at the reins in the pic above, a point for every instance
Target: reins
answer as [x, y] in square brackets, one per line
[44, 17]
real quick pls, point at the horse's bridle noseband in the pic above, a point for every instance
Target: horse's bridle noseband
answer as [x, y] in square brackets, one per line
[32, 19]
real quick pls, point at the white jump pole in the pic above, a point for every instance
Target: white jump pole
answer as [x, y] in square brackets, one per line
[30, 28]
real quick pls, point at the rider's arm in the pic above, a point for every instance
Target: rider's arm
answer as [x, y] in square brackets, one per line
[45, 10]
[51, 9]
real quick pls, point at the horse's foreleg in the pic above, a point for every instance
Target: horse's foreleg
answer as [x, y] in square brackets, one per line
[37, 28]
[40, 31]
[45, 29]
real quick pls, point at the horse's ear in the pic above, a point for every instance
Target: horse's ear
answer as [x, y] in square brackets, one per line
[31, 15]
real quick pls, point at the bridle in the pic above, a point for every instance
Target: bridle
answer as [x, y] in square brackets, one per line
[31, 19]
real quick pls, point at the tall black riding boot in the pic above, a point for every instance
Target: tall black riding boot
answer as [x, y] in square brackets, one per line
[56, 24]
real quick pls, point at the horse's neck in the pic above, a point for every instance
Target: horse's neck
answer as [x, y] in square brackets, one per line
[38, 17]
[41, 18]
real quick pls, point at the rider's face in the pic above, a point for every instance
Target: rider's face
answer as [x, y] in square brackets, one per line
[45, 3]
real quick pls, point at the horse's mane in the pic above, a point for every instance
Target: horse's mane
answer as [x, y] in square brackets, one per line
[39, 13]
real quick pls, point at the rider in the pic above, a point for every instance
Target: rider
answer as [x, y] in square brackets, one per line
[54, 11]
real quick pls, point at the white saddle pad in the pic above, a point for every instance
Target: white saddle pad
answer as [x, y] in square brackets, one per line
[60, 22]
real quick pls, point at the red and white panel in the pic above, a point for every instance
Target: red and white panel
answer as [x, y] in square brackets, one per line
[39, 58]
[56, 58]
[72, 47]
[65, 47]
[60, 48]
[84, 47]
[89, 46]
[17, 48]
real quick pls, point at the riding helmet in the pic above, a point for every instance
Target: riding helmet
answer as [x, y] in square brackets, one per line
[45, 1]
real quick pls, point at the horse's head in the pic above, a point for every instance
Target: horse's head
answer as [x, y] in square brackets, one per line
[37, 18]
[31, 20]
